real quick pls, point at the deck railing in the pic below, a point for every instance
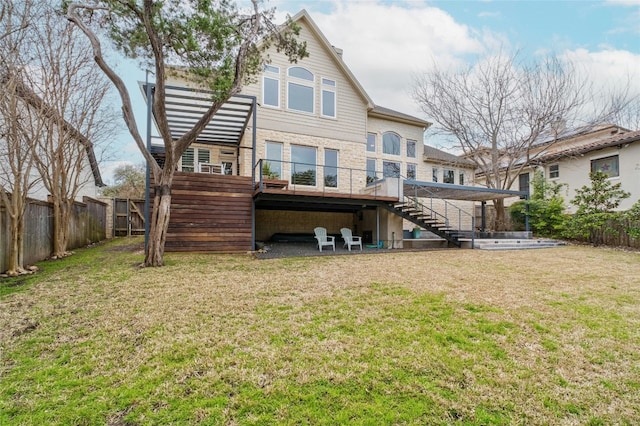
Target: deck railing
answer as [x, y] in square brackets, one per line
[306, 177]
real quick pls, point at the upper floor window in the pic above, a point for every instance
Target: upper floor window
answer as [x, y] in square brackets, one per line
[371, 142]
[328, 98]
[300, 90]
[523, 182]
[271, 86]
[448, 176]
[411, 171]
[434, 174]
[391, 143]
[411, 149]
[608, 165]
[554, 171]
[461, 178]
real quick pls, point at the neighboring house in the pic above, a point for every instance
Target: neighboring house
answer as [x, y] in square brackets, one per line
[570, 158]
[90, 180]
[333, 157]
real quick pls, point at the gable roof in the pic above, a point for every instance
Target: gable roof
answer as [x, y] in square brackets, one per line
[619, 140]
[435, 155]
[382, 112]
[333, 53]
[31, 98]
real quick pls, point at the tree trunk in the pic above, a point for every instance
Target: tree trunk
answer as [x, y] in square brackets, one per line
[159, 221]
[15, 266]
[499, 221]
[61, 211]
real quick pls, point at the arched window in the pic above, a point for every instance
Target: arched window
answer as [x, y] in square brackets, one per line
[300, 90]
[391, 143]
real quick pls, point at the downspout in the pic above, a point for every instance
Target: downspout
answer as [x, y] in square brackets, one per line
[147, 207]
[526, 214]
[253, 174]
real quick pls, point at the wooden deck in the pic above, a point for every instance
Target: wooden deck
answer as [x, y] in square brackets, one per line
[212, 213]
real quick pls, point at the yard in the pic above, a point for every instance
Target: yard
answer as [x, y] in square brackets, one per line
[549, 336]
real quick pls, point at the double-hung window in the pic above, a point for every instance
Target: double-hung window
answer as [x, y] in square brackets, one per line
[300, 88]
[411, 149]
[411, 171]
[328, 98]
[271, 86]
[371, 142]
[434, 174]
[554, 171]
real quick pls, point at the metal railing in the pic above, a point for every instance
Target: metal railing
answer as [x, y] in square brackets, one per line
[418, 192]
[306, 177]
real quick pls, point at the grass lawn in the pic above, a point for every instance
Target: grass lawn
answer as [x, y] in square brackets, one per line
[548, 336]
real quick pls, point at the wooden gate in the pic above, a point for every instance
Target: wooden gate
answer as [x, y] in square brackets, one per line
[128, 217]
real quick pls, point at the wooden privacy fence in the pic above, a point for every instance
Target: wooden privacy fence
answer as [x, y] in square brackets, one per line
[614, 234]
[88, 225]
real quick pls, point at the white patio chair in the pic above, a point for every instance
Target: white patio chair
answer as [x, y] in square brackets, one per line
[324, 239]
[349, 239]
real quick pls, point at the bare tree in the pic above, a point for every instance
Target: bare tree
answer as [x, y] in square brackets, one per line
[220, 48]
[497, 109]
[70, 98]
[17, 127]
[129, 182]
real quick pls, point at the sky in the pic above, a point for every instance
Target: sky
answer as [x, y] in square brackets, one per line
[387, 43]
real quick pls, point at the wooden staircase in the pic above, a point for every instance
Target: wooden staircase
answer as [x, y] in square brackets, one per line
[415, 212]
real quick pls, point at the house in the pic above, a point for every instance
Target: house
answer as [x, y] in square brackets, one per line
[569, 158]
[81, 164]
[315, 150]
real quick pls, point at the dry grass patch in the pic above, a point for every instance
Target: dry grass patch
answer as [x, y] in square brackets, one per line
[525, 337]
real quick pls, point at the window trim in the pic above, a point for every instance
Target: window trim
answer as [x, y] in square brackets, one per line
[415, 145]
[399, 146]
[617, 161]
[336, 167]
[326, 87]
[303, 83]
[314, 164]
[448, 174]
[374, 177]
[375, 142]
[415, 171]
[395, 163]
[273, 75]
